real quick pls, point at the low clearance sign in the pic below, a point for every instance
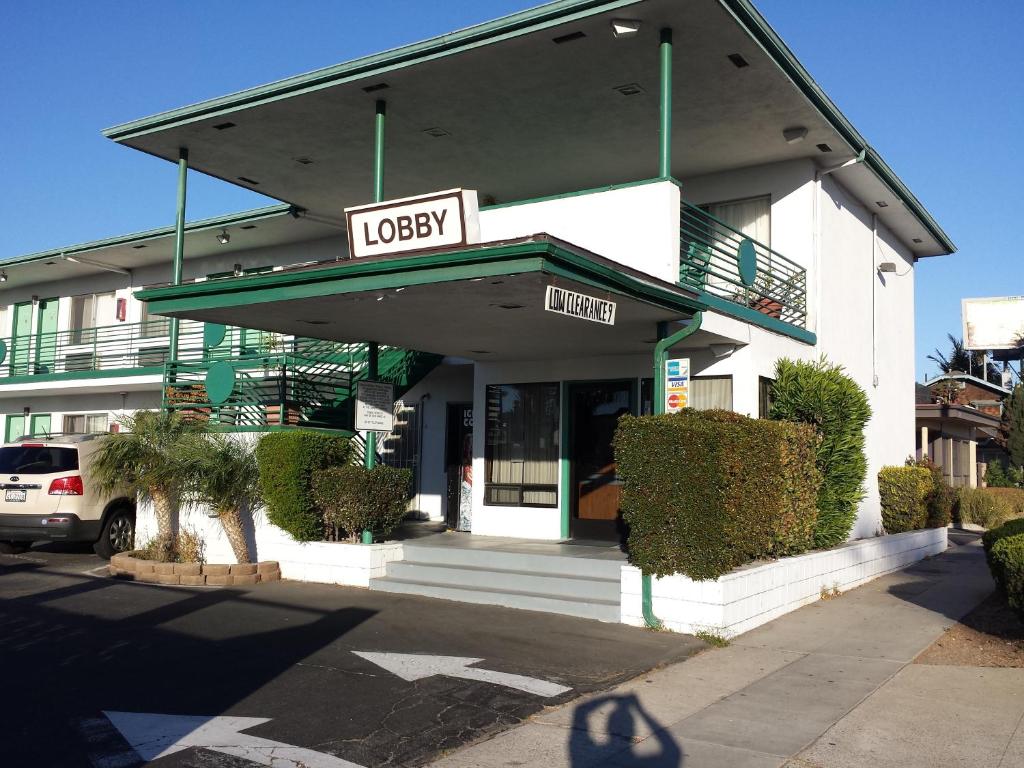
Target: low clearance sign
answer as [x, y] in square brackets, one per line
[439, 220]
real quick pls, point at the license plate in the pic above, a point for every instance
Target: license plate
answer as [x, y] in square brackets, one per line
[13, 495]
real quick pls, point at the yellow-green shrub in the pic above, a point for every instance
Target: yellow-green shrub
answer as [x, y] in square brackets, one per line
[904, 493]
[981, 506]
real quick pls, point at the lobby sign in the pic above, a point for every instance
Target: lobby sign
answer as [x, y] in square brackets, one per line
[579, 305]
[439, 220]
[677, 384]
[375, 406]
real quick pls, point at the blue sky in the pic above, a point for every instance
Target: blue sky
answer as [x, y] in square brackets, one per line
[935, 86]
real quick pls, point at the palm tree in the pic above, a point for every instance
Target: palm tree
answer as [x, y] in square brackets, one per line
[224, 475]
[147, 459]
[963, 360]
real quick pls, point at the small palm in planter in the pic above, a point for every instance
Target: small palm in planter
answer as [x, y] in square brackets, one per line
[147, 459]
[224, 476]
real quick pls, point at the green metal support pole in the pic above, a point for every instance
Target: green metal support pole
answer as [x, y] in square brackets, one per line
[661, 350]
[665, 145]
[179, 243]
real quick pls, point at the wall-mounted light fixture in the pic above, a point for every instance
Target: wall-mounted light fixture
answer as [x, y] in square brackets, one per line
[3, 277]
[887, 267]
[237, 269]
[722, 350]
[794, 135]
[223, 238]
[625, 27]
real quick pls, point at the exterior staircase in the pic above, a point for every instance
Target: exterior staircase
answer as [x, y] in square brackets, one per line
[569, 584]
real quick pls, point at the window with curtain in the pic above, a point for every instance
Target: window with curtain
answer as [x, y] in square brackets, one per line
[89, 311]
[81, 423]
[751, 216]
[706, 392]
[521, 445]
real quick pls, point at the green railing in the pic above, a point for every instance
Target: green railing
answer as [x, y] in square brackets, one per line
[102, 348]
[719, 261]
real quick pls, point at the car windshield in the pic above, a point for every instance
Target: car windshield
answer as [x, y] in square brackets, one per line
[37, 459]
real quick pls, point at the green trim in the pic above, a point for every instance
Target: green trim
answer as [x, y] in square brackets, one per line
[579, 193]
[564, 465]
[74, 375]
[201, 225]
[278, 428]
[748, 17]
[514, 25]
[754, 317]
[421, 269]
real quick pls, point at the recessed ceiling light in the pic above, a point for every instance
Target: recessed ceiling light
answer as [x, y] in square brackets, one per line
[377, 87]
[436, 132]
[247, 180]
[738, 61]
[630, 89]
[881, 204]
[303, 161]
[139, 247]
[918, 240]
[568, 38]
[823, 147]
[248, 226]
[223, 126]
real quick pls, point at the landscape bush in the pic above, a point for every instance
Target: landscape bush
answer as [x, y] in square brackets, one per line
[994, 535]
[905, 492]
[707, 491]
[353, 499]
[942, 498]
[1011, 500]
[1004, 549]
[989, 507]
[287, 461]
[822, 395]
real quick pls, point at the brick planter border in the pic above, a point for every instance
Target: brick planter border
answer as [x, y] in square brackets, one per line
[130, 568]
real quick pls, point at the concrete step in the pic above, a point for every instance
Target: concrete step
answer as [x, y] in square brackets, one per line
[555, 585]
[601, 610]
[526, 562]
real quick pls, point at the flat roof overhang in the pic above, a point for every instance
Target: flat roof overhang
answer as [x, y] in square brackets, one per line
[957, 413]
[533, 104]
[483, 303]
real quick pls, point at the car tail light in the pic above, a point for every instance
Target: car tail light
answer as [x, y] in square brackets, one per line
[67, 486]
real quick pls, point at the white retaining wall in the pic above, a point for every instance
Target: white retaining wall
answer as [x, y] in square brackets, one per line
[756, 594]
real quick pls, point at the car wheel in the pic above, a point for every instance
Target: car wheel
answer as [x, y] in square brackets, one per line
[14, 547]
[118, 534]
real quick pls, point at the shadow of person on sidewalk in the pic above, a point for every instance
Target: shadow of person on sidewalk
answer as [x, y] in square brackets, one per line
[620, 736]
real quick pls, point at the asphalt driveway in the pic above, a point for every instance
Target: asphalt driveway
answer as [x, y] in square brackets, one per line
[77, 649]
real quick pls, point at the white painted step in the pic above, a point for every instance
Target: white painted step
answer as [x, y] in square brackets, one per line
[491, 559]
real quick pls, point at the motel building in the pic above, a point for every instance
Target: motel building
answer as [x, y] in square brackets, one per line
[527, 228]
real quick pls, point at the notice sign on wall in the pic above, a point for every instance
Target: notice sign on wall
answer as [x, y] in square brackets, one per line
[579, 305]
[375, 406]
[677, 384]
[438, 220]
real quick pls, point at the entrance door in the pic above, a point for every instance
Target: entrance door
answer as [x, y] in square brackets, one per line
[595, 490]
[458, 463]
[46, 338]
[21, 338]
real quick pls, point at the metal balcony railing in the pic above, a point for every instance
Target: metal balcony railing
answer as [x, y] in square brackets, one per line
[102, 348]
[719, 261]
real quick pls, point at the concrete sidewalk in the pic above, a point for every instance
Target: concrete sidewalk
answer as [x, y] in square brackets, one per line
[767, 698]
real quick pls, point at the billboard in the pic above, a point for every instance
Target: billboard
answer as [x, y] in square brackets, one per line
[994, 323]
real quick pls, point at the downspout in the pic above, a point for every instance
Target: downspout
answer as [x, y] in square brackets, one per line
[874, 291]
[661, 350]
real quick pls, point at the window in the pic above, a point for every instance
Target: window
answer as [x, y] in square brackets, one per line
[521, 445]
[37, 460]
[764, 396]
[706, 392]
[88, 422]
[89, 311]
[752, 217]
[153, 326]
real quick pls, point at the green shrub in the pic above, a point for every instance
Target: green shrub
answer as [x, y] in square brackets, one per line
[942, 498]
[822, 395]
[981, 506]
[1007, 563]
[1011, 499]
[287, 461]
[904, 492]
[706, 491]
[354, 499]
[994, 535]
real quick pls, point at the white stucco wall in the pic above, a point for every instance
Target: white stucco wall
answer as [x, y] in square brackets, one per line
[637, 225]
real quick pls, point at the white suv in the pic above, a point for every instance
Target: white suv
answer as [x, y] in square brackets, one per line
[45, 495]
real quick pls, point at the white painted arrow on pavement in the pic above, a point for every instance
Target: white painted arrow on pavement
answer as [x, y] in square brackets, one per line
[153, 736]
[413, 666]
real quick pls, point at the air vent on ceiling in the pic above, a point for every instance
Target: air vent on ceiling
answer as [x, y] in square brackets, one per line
[881, 204]
[568, 38]
[436, 132]
[223, 126]
[247, 180]
[918, 240]
[630, 89]
[248, 226]
[738, 61]
[304, 160]
[824, 148]
[377, 87]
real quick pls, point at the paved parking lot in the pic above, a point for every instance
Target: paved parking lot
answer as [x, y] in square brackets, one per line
[186, 667]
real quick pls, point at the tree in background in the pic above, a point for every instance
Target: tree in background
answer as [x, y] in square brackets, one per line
[1013, 421]
[821, 394]
[963, 360]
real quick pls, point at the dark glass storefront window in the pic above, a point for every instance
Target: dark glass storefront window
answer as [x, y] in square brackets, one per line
[521, 445]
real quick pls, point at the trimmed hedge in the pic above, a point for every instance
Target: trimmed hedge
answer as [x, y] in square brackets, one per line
[905, 492]
[707, 491]
[355, 499]
[822, 395]
[287, 461]
[1004, 549]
